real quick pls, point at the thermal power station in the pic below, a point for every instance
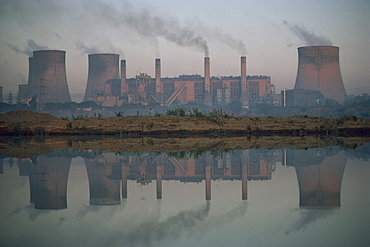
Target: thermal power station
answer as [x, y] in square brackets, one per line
[318, 70]
[102, 67]
[47, 79]
[143, 89]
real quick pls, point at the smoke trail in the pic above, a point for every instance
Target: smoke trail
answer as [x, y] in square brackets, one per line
[31, 46]
[308, 37]
[148, 25]
[85, 49]
[220, 36]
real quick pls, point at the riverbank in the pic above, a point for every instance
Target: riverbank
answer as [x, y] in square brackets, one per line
[27, 123]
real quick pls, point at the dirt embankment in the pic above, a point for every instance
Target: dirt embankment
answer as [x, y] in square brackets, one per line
[26, 123]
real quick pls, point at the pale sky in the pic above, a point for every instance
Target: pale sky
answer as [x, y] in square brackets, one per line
[181, 32]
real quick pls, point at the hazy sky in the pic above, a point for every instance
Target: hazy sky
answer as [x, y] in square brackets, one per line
[181, 33]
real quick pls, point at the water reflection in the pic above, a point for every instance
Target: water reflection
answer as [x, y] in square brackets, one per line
[319, 173]
[184, 199]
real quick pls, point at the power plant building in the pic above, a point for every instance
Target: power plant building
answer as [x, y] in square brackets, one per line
[143, 89]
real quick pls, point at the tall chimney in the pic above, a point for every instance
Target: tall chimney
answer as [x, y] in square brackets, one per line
[207, 82]
[243, 81]
[318, 69]
[158, 84]
[124, 87]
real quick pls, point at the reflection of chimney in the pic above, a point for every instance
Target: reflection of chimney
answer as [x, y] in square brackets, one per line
[1, 166]
[124, 181]
[159, 169]
[124, 88]
[158, 85]
[244, 181]
[244, 91]
[208, 164]
[207, 82]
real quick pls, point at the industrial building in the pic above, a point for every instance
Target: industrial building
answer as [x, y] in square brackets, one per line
[144, 89]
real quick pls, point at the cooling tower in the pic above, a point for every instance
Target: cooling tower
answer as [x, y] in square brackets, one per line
[318, 69]
[243, 84]
[102, 67]
[47, 77]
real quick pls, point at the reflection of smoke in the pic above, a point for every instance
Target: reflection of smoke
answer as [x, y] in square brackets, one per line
[172, 228]
[309, 217]
[148, 25]
[309, 37]
[31, 46]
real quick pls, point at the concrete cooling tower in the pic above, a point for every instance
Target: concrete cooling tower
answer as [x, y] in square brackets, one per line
[318, 69]
[102, 67]
[47, 77]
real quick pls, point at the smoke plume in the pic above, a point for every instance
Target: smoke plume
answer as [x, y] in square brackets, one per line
[220, 36]
[148, 25]
[31, 46]
[84, 49]
[307, 36]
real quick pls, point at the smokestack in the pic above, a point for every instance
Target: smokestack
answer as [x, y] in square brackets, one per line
[318, 69]
[102, 67]
[124, 86]
[47, 77]
[158, 84]
[243, 81]
[207, 82]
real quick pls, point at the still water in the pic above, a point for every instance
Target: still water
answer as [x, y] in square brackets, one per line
[282, 197]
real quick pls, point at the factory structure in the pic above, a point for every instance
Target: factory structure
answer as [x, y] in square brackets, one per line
[318, 79]
[108, 87]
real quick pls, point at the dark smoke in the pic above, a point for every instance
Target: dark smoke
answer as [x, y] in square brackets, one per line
[307, 36]
[148, 25]
[31, 46]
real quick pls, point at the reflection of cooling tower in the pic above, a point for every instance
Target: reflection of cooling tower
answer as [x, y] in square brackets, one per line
[320, 181]
[48, 182]
[47, 77]
[102, 67]
[318, 69]
[103, 190]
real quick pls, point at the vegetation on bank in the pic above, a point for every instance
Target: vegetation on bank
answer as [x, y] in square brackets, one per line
[181, 122]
